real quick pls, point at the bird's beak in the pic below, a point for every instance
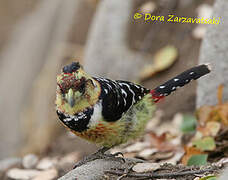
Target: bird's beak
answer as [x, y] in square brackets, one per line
[70, 98]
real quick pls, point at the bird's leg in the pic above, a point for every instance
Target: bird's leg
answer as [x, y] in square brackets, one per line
[100, 154]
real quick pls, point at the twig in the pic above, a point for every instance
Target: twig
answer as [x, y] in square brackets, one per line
[163, 175]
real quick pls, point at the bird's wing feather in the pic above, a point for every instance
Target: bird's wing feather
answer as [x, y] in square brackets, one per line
[118, 96]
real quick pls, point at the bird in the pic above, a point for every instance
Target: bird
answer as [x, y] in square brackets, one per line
[110, 112]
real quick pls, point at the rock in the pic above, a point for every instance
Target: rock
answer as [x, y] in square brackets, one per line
[145, 167]
[24, 174]
[45, 163]
[47, 175]
[214, 51]
[199, 32]
[9, 162]
[29, 161]
[148, 7]
[95, 169]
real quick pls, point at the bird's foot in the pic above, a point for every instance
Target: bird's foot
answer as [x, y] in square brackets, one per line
[100, 154]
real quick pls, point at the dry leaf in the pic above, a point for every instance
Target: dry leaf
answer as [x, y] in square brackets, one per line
[210, 129]
[223, 113]
[163, 59]
[220, 93]
[145, 167]
[176, 157]
[189, 152]
[203, 114]
[205, 144]
[162, 155]
[138, 146]
[146, 153]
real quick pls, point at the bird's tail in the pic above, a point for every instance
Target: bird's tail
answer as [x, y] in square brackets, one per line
[180, 80]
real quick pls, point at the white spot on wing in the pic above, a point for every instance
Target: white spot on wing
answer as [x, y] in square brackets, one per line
[129, 88]
[109, 86]
[191, 73]
[161, 87]
[67, 119]
[124, 101]
[176, 79]
[138, 87]
[124, 92]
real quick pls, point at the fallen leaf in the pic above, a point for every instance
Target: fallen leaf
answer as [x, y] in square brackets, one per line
[176, 157]
[199, 159]
[210, 129]
[189, 151]
[205, 144]
[218, 112]
[211, 177]
[203, 114]
[220, 94]
[161, 142]
[163, 59]
[223, 113]
[162, 155]
[138, 146]
[146, 153]
[188, 124]
[146, 167]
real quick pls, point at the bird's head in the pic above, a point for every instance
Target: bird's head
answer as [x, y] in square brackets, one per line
[76, 90]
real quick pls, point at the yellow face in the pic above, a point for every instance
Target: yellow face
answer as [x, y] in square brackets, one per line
[76, 91]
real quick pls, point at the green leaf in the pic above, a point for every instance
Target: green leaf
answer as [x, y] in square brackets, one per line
[188, 124]
[199, 159]
[205, 144]
[211, 177]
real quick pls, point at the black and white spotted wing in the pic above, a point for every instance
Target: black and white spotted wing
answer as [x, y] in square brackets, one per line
[118, 96]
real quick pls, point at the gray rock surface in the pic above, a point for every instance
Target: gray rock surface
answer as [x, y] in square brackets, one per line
[107, 53]
[30, 47]
[9, 162]
[29, 161]
[95, 170]
[215, 51]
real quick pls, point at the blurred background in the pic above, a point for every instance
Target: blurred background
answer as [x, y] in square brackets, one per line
[38, 37]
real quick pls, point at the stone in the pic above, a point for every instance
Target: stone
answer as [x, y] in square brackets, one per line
[9, 162]
[214, 51]
[29, 161]
[24, 174]
[95, 169]
[45, 163]
[47, 175]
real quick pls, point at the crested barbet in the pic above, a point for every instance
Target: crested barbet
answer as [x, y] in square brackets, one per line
[110, 112]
